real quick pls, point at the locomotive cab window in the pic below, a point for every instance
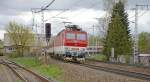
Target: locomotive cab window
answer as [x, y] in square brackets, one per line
[81, 37]
[70, 36]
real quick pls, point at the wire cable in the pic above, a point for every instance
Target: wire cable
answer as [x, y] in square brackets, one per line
[69, 8]
[45, 7]
[92, 6]
[65, 10]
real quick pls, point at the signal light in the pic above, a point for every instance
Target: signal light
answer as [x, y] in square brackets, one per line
[48, 31]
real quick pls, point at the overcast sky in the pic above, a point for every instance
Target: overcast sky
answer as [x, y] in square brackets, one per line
[81, 12]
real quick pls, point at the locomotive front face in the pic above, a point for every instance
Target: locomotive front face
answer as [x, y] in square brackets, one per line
[75, 45]
[75, 51]
[69, 44]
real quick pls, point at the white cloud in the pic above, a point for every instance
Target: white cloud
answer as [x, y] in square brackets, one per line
[143, 20]
[83, 17]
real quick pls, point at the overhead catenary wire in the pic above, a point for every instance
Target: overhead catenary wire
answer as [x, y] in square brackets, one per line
[91, 6]
[140, 14]
[67, 9]
[55, 15]
[45, 7]
[74, 5]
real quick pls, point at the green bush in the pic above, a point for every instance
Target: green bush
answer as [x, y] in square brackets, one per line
[127, 57]
[1, 54]
[100, 57]
[14, 55]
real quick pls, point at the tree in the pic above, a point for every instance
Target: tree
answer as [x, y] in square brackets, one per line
[1, 47]
[103, 22]
[144, 42]
[108, 4]
[94, 40]
[21, 36]
[118, 33]
[1, 44]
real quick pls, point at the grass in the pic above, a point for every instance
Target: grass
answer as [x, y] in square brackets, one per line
[50, 71]
[28, 62]
[100, 57]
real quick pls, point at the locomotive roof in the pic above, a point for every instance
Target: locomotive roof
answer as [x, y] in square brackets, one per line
[71, 28]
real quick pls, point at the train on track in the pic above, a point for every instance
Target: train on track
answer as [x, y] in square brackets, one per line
[70, 44]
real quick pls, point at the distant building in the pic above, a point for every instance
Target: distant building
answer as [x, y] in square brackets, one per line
[94, 49]
[9, 44]
[144, 59]
[94, 44]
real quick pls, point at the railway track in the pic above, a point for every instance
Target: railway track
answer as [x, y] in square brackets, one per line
[136, 75]
[24, 74]
[121, 72]
[128, 73]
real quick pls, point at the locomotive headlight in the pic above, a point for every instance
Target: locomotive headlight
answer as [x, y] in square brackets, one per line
[82, 49]
[66, 49]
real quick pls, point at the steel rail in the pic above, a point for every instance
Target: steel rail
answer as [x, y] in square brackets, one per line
[14, 71]
[43, 79]
[118, 71]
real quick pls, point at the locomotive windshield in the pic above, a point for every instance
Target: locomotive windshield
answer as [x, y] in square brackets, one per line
[70, 36]
[81, 37]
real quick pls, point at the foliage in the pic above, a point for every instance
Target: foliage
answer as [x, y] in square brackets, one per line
[21, 36]
[100, 57]
[118, 33]
[94, 40]
[14, 55]
[1, 48]
[127, 57]
[144, 42]
[108, 4]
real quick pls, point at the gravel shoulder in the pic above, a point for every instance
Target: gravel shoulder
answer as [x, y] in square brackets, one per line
[76, 73]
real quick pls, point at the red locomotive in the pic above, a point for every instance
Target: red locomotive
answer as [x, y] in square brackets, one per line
[69, 44]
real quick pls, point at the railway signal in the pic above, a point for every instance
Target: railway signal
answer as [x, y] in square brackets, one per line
[48, 31]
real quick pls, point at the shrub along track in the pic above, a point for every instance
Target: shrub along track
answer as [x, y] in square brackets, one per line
[24, 74]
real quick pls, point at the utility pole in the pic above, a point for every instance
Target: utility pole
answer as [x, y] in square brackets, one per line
[136, 36]
[42, 23]
[42, 28]
[93, 41]
[33, 19]
[41, 11]
[136, 48]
